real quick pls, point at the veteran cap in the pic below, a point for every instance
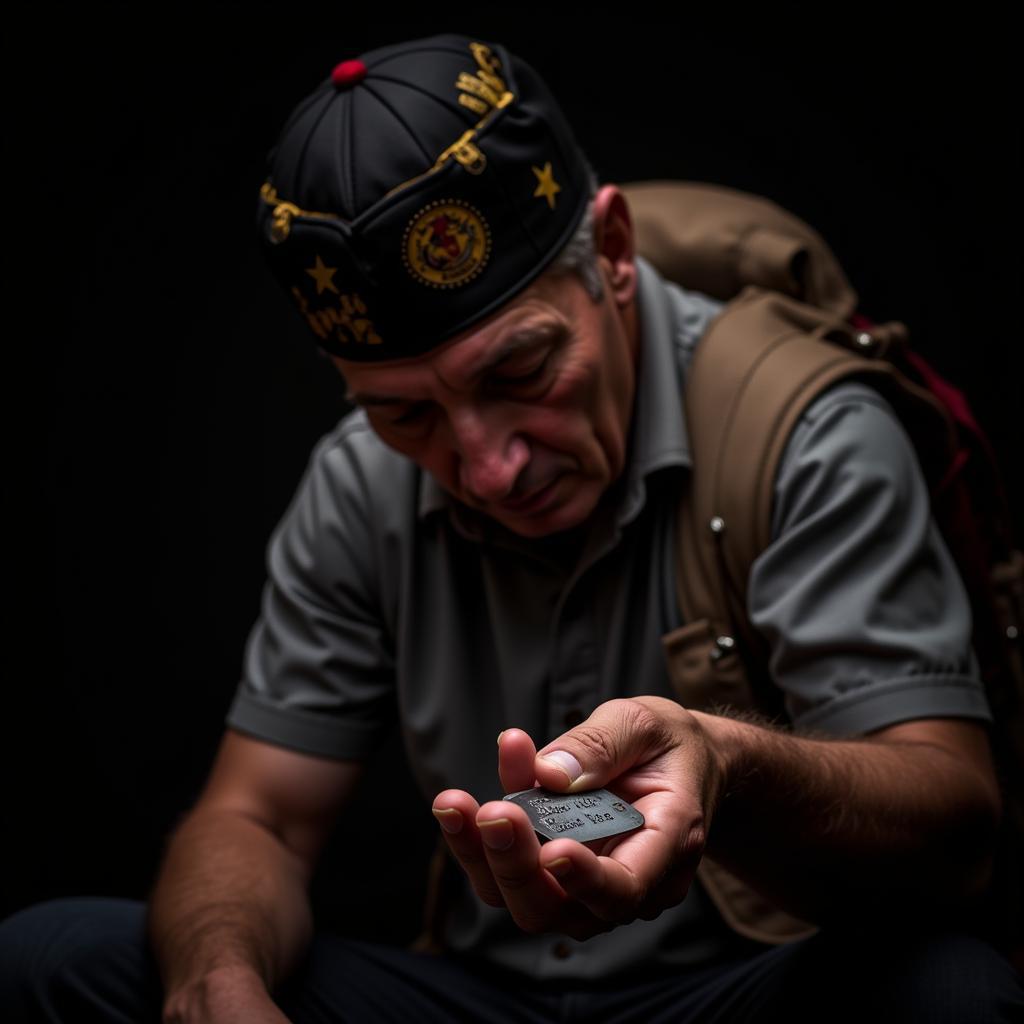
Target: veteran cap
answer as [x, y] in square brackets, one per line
[417, 190]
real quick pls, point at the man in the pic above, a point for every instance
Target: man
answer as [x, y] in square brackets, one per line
[483, 549]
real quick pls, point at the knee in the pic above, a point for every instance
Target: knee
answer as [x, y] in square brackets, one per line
[66, 958]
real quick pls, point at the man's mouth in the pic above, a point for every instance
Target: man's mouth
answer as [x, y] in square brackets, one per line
[533, 502]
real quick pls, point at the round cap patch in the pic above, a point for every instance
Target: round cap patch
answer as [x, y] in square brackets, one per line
[446, 244]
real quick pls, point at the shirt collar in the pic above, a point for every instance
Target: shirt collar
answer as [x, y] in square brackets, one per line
[658, 436]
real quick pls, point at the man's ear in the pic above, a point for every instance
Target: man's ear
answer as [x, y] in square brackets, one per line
[615, 242]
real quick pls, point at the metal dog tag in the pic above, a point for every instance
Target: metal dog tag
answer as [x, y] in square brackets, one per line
[596, 814]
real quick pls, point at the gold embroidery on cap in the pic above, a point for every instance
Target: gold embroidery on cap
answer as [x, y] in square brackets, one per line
[477, 106]
[446, 244]
[323, 276]
[547, 186]
[467, 154]
[281, 224]
[345, 322]
[485, 93]
[471, 84]
[486, 84]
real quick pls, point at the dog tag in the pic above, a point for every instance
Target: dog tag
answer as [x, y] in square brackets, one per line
[596, 814]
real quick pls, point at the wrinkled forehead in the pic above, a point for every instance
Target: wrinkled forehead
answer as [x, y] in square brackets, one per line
[538, 313]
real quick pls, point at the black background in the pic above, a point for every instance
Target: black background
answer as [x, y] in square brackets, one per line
[165, 397]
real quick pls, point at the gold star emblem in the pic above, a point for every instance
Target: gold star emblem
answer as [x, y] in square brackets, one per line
[322, 275]
[546, 184]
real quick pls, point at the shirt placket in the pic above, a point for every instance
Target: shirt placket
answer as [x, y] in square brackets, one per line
[575, 643]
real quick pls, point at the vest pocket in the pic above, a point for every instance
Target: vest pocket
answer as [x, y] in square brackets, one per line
[704, 668]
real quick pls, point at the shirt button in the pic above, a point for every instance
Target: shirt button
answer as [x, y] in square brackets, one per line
[572, 717]
[561, 950]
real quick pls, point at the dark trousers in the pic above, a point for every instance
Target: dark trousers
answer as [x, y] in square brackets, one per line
[86, 960]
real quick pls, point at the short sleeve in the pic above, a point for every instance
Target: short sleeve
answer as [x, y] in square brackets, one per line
[857, 594]
[318, 671]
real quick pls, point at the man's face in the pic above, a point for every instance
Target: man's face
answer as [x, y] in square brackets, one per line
[524, 417]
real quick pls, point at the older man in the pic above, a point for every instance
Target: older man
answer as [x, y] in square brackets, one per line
[484, 549]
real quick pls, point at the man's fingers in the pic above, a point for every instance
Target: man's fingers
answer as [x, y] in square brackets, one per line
[516, 754]
[617, 736]
[532, 896]
[648, 869]
[610, 891]
[456, 812]
[564, 886]
[655, 753]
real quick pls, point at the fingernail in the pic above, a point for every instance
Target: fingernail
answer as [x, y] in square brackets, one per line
[565, 762]
[450, 819]
[500, 734]
[496, 834]
[561, 867]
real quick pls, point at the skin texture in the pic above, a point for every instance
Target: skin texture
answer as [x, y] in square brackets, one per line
[920, 804]
[229, 915]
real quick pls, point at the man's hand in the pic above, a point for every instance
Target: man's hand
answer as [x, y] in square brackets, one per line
[648, 750]
[900, 821]
[224, 996]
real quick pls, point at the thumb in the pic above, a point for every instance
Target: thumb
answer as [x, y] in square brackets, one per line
[617, 736]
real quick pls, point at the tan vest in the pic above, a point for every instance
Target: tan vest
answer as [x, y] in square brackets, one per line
[781, 340]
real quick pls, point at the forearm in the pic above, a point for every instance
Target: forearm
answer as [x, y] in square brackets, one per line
[827, 827]
[230, 900]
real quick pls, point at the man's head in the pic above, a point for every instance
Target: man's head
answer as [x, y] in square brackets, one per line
[525, 416]
[440, 230]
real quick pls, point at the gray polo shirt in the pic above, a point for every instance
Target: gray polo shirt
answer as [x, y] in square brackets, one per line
[387, 598]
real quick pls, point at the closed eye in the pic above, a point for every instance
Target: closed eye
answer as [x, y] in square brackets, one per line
[524, 379]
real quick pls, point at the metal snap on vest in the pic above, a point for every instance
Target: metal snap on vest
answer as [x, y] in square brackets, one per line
[717, 524]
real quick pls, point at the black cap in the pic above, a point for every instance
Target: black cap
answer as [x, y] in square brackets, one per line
[416, 191]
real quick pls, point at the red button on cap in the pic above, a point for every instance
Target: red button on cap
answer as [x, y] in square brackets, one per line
[348, 72]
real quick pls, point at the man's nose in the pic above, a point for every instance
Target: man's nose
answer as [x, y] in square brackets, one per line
[491, 455]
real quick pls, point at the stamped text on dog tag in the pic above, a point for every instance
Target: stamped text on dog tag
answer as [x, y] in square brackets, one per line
[596, 814]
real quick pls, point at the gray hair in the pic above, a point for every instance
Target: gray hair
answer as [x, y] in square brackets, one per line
[579, 255]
